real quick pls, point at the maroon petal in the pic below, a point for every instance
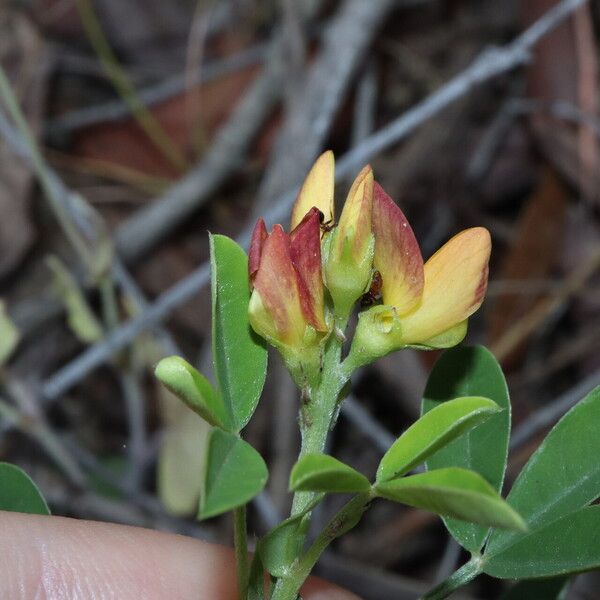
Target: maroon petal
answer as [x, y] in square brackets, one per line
[259, 235]
[306, 256]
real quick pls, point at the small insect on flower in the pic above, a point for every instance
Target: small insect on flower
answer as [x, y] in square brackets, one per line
[373, 295]
[326, 226]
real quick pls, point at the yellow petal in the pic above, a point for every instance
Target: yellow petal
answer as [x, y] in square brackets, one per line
[317, 190]
[455, 284]
[355, 221]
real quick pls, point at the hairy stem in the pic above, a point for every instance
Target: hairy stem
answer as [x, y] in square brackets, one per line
[288, 587]
[320, 407]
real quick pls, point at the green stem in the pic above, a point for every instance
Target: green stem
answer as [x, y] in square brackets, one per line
[241, 550]
[288, 587]
[458, 579]
[320, 408]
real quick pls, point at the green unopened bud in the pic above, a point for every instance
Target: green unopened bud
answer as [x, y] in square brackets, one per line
[349, 249]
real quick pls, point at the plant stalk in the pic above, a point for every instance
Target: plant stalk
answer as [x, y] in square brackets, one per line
[317, 415]
[320, 408]
[288, 587]
[240, 539]
[458, 579]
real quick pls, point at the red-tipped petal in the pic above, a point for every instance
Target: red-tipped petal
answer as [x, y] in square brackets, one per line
[317, 190]
[306, 256]
[259, 235]
[278, 284]
[455, 285]
[397, 254]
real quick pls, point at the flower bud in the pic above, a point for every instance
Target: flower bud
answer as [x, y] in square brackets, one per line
[287, 305]
[349, 248]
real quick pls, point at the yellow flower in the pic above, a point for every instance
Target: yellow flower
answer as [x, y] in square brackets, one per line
[423, 305]
[317, 190]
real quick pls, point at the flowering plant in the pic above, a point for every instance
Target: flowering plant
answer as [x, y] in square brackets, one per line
[297, 291]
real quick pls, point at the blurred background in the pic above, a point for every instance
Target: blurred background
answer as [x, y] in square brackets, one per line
[130, 128]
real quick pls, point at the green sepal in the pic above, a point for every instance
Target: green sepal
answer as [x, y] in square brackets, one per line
[346, 279]
[378, 332]
[447, 339]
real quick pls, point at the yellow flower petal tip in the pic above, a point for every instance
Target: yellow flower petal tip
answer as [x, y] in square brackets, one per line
[355, 220]
[455, 284]
[317, 190]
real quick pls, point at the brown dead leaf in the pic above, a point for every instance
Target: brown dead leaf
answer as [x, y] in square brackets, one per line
[536, 246]
[126, 145]
[565, 69]
[23, 55]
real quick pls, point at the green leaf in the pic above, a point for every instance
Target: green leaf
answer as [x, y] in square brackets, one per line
[9, 335]
[453, 492]
[570, 544]
[323, 473]
[280, 546]
[234, 473]
[190, 386]
[80, 316]
[562, 476]
[18, 493]
[239, 355]
[540, 589]
[431, 432]
[465, 371]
